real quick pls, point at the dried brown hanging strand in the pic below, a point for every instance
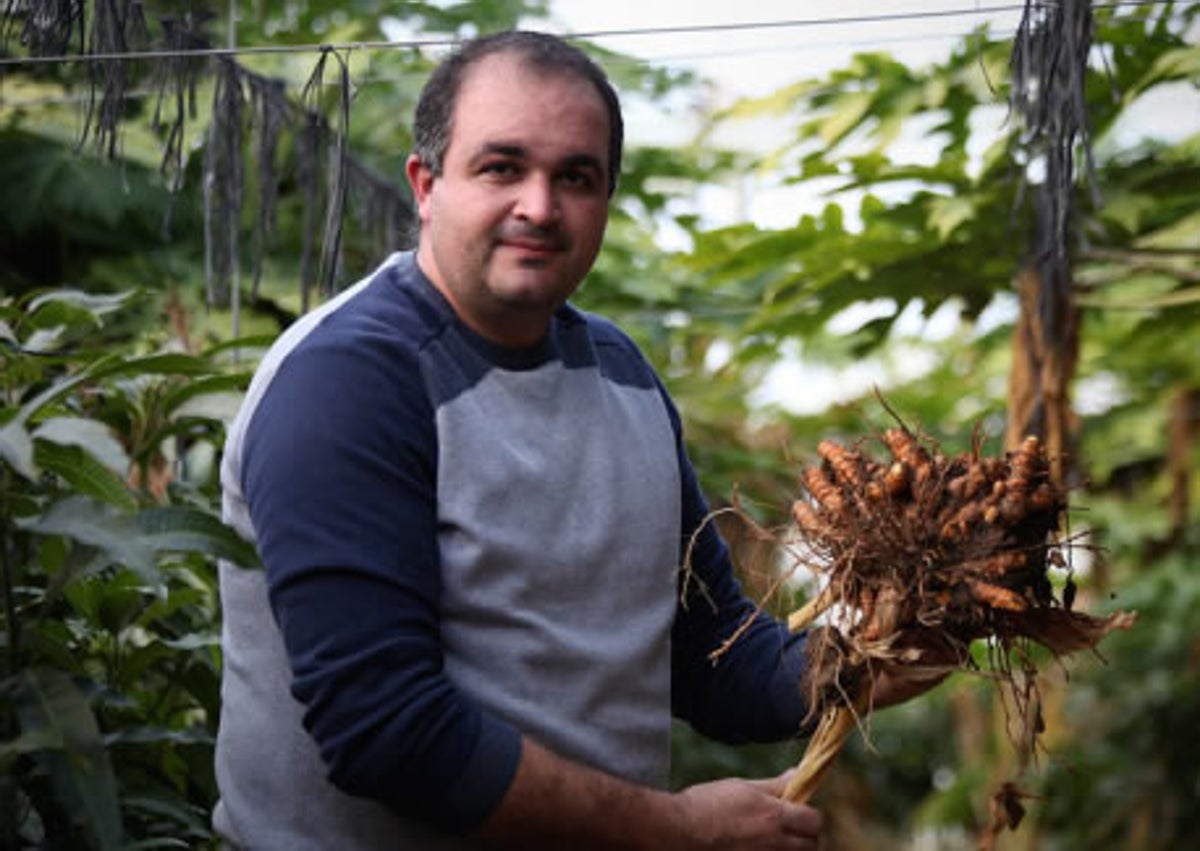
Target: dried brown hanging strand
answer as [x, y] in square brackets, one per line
[269, 110]
[331, 243]
[380, 209]
[175, 80]
[223, 183]
[309, 156]
[311, 98]
[118, 26]
[1049, 71]
[49, 25]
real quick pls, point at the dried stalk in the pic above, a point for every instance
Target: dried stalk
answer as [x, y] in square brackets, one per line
[804, 616]
[824, 746]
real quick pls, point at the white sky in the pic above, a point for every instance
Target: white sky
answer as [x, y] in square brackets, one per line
[792, 46]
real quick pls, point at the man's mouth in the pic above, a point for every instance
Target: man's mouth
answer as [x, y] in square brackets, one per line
[531, 246]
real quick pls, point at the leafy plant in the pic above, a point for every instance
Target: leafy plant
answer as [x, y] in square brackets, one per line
[110, 687]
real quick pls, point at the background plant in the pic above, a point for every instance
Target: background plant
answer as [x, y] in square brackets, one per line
[114, 404]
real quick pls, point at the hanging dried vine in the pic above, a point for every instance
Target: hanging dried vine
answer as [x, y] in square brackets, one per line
[311, 98]
[251, 115]
[223, 182]
[269, 113]
[175, 79]
[47, 28]
[1049, 72]
[380, 209]
[118, 26]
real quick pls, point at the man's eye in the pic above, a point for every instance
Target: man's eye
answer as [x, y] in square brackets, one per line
[500, 169]
[578, 179]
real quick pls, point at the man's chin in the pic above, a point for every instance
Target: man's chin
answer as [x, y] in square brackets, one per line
[532, 291]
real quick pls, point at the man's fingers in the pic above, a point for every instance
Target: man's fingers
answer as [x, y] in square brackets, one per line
[774, 786]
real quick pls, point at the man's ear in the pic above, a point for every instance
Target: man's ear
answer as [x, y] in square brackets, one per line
[420, 178]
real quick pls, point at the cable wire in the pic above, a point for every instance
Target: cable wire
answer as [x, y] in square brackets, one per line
[686, 29]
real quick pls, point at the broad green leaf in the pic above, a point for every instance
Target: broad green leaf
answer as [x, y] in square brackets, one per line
[195, 641]
[16, 447]
[44, 340]
[99, 525]
[84, 473]
[1176, 298]
[163, 364]
[48, 703]
[109, 602]
[946, 214]
[95, 304]
[182, 529]
[1178, 64]
[92, 436]
[1184, 233]
[220, 407]
[217, 385]
[848, 111]
[1127, 209]
[28, 743]
[156, 735]
[65, 385]
[238, 349]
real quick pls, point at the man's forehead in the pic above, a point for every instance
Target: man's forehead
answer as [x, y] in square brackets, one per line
[501, 72]
[495, 90]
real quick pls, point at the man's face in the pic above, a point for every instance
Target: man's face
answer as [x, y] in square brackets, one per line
[514, 222]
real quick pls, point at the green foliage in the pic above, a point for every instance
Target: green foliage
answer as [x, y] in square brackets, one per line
[110, 681]
[1130, 776]
[949, 237]
[72, 214]
[109, 693]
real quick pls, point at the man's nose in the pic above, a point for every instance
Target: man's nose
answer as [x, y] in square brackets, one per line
[537, 201]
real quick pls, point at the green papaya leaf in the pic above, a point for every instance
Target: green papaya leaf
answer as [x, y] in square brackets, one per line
[848, 112]
[1184, 233]
[946, 214]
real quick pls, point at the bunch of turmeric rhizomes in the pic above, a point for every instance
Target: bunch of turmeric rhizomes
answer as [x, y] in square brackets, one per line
[920, 555]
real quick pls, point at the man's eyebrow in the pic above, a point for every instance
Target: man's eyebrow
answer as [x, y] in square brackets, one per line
[518, 151]
[505, 149]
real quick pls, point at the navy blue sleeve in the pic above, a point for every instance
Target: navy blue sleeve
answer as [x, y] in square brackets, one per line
[752, 692]
[339, 475]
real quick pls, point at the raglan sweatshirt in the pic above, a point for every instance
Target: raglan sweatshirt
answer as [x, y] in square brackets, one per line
[464, 544]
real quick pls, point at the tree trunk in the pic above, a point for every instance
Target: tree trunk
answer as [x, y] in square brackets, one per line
[1181, 437]
[1043, 366]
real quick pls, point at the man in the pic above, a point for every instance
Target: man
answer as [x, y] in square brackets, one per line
[472, 502]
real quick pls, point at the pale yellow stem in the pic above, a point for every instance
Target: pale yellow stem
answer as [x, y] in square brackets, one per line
[811, 610]
[831, 733]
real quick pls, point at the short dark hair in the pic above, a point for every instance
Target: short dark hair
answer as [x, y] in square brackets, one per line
[432, 122]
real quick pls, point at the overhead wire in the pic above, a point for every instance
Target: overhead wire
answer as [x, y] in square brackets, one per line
[676, 29]
[668, 58]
